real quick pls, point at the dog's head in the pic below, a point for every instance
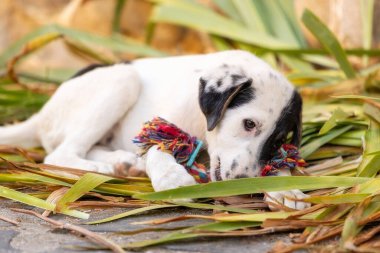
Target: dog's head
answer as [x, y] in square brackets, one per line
[250, 110]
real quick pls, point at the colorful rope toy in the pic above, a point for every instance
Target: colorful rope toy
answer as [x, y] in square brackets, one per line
[287, 156]
[169, 138]
[185, 148]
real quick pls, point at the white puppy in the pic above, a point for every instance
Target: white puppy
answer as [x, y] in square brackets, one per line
[235, 102]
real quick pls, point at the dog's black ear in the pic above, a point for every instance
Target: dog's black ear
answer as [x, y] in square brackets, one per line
[297, 112]
[214, 103]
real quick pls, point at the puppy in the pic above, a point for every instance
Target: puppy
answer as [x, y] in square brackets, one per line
[236, 103]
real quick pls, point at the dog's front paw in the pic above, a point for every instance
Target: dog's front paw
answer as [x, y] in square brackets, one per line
[289, 199]
[175, 176]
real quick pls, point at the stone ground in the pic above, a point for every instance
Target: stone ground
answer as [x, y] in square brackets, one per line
[33, 235]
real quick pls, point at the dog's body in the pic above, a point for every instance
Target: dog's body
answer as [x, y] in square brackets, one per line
[90, 121]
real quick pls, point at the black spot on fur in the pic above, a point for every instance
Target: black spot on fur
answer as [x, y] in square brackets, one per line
[202, 85]
[241, 176]
[218, 175]
[228, 174]
[289, 121]
[234, 165]
[235, 77]
[246, 94]
[272, 76]
[94, 66]
[246, 169]
[219, 83]
[88, 69]
[213, 103]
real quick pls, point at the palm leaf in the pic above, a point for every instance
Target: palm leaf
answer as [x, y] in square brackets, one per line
[328, 40]
[251, 185]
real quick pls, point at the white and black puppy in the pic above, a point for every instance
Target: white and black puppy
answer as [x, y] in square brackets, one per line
[235, 102]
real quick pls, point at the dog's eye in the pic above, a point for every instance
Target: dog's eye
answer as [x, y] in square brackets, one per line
[249, 124]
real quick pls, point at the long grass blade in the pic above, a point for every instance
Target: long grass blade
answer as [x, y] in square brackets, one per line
[328, 40]
[117, 44]
[312, 146]
[8, 193]
[84, 185]
[193, 232]
[337, 115]
[251, 185]
[196, 16]
[130, 213]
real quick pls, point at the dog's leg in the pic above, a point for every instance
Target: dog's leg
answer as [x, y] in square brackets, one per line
[164, 172]
[92, 115]
[287, 198]
[123, 161]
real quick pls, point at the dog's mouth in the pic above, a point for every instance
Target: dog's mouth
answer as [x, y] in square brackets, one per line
[218, 174]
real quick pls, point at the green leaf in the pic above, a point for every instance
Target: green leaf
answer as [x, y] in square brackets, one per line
[296, 64]
[165, 239]
[25, 198]
[346, 142]
[338, 199]
[214, 207]
[228, 7]
[351, 227]
[337, 115]
[331, 152]
[9, 178]
[117, 15]
[328, 40]
[115, 43]
[372, 138]
[250, 15]
[34, 201]
[123, 189]
[288, 9]
[193, 233]
[84, 185]
[367, 11]
[370, 164]
[254, 217]
[130, 213]
[44, 179]
[356, 97]
[223, 226]
[372, 111]
[198, 17]
[312, 146]
[370, 187]
[276, 18]
[251, 185]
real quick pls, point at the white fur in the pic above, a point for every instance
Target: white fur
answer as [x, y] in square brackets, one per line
[115, 101]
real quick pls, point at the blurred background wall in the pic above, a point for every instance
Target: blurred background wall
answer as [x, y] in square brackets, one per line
[19, 17]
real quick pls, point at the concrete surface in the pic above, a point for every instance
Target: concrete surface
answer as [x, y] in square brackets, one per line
[33, 235]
